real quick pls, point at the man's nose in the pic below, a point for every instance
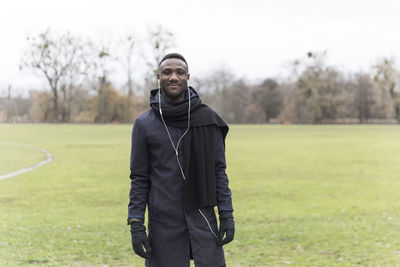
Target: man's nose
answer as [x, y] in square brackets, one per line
[173, 77]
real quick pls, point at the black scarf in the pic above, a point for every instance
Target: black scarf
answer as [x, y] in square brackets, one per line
[198, 146]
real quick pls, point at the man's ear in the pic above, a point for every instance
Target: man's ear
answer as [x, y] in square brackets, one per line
[158, 76]
[188, 76]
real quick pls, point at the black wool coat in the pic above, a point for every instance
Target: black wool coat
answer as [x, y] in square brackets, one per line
[175, 233]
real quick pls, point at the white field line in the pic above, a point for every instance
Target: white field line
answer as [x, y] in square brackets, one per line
[30, 168]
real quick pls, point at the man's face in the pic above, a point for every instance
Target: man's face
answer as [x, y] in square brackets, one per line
[173, 75]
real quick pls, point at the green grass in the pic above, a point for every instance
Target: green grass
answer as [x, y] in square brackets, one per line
[15, 157]
[303, 196]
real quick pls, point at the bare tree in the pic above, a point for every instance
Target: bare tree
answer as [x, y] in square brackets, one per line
[160, 41]
[318, 90]
[215, 89]
[75, 78]
[363, 96]
[127, 61]
[270, 98]
[101, 60]
[387, 81]
[58, 59]
[242, 105]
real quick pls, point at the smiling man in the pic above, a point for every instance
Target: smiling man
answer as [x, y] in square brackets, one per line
[178, 170]
[173, 76]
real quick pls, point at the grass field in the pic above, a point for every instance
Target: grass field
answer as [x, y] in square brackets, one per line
[15, 157]
[303, 196]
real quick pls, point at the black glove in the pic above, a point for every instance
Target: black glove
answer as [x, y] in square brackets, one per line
[226, 226]
[139, 239]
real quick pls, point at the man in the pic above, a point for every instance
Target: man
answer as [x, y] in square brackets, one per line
[178, 170]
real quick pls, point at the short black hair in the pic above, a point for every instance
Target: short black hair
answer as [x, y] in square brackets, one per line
[173, 55]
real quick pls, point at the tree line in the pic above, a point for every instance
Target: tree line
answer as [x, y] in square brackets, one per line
[313, 92]
[79, 87]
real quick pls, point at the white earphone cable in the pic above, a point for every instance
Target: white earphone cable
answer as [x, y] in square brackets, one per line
[176, 148]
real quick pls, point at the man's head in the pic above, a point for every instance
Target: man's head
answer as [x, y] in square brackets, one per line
[173, 73]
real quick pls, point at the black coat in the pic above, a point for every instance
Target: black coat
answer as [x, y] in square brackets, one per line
[156, 181]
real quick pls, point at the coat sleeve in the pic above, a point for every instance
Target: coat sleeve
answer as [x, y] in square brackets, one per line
[224, 200]
[139, 172]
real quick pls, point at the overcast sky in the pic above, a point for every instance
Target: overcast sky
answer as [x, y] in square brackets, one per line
[255, 39]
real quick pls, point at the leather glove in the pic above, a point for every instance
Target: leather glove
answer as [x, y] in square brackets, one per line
[140, 239]
[226, 226]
